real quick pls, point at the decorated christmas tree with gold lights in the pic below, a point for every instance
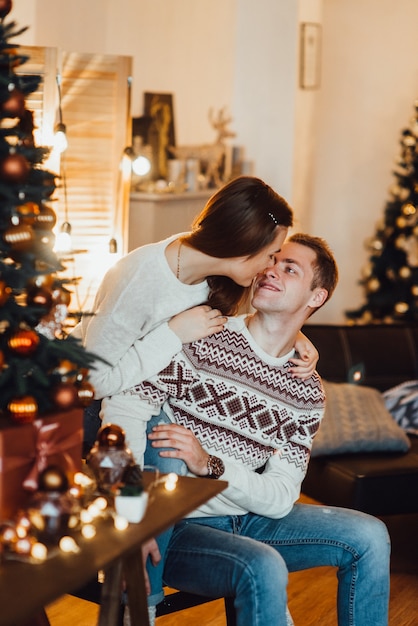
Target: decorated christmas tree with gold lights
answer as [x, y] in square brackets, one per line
[41, 367]
[390, 277]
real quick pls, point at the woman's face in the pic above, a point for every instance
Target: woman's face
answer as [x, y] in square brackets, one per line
[243, 269]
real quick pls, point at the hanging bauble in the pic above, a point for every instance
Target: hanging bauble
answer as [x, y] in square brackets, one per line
[85, 392]
[14, 168]
[405, 272]
[39, 297]
[46, 219]
[2, 361]
[5, 8]
[409, 209]
[64, 396]
[66, 370]
[401, 307]
[5, 292]
[401, 222]
[28, 213]
[19, 237]
[373, 284]
[24, 342]
[14, 106]
[23, 410]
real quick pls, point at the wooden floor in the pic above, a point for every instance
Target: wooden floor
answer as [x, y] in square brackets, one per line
[311, 593]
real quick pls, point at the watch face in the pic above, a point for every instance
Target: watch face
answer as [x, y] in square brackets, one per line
[217, 467]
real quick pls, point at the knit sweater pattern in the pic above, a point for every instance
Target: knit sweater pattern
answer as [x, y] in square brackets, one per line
[242, 404]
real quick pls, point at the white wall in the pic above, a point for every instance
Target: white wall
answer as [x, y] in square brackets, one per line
[370, 83]
[330, 151]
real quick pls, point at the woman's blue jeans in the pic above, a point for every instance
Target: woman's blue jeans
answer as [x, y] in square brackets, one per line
[248, 557]
[165, 466]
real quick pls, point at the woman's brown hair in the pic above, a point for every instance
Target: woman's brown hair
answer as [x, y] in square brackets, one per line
[238, 220]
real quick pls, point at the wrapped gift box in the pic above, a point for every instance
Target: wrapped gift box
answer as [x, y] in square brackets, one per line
[25, 450]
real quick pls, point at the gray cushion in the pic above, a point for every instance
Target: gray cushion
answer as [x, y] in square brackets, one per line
[357, 420]
[402, 403]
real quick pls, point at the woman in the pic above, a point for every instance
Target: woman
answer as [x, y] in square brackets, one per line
[147, 304]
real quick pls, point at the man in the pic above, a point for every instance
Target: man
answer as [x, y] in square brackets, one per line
[236, 409]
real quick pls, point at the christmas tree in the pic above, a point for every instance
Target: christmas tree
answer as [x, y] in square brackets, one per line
[390, 278]
[42, 368]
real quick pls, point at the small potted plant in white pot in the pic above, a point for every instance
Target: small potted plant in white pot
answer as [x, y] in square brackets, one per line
[131, 498]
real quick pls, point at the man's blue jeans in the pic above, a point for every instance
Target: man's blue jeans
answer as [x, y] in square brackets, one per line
[248, 558]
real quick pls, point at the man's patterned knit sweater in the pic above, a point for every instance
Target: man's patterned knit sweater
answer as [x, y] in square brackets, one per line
[244, 406]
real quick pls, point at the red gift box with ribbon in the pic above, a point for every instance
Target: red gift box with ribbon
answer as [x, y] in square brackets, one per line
[27, 449]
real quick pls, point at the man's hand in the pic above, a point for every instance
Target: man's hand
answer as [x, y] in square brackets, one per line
[197, 323]
[185, 444]
[150, 549]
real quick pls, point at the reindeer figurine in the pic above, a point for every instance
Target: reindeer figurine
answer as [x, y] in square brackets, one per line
[211, 156]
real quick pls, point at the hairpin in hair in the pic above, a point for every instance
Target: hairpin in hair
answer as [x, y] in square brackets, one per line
[274, 219]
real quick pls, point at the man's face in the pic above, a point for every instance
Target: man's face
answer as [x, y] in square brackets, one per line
[286, 286]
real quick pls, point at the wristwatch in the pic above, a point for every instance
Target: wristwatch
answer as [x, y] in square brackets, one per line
[216, 467]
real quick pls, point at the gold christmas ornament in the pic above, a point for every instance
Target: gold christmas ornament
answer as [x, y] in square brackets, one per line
[409, 209]
[46, 219]
[414, 290]
[24, 342]
[404, 272]
[19, 237]
[401, 307]
[373, 284]
[27, 212]
[23, 410]
[401, 222]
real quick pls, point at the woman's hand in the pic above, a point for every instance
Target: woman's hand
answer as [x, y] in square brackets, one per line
[185, 444]
[150, 549]
[309, 356]
[197, 323]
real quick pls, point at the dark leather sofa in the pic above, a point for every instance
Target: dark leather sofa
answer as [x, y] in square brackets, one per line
[376, 483]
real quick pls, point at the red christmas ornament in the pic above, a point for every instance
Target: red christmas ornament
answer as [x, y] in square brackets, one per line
[14, 168]
[46, 219]
[23, 410]
[5, 8]
[19, 237]
[14, 106]
[24, 342]
[85, 393]
[39, 297]
[28, 213]
[5, 292]
[64, 396]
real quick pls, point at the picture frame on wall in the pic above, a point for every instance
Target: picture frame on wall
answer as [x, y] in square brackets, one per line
[310, 56]
[158, 107]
